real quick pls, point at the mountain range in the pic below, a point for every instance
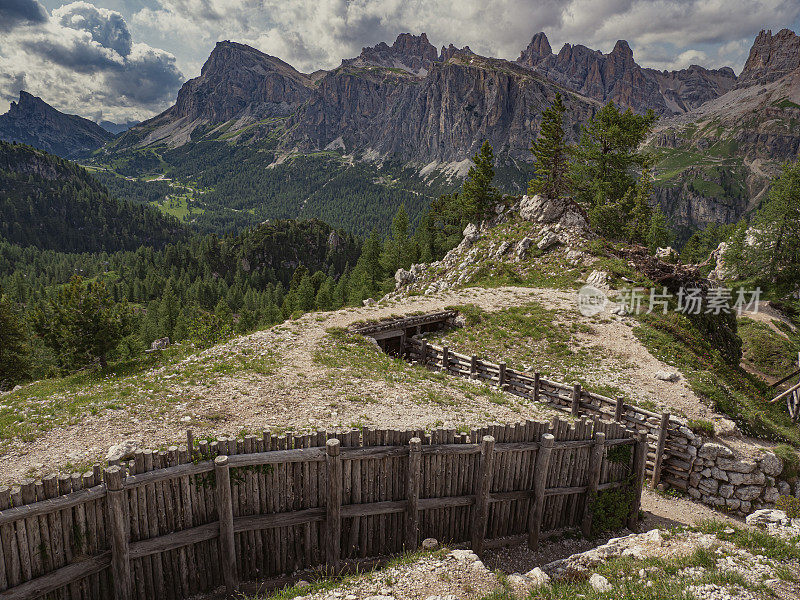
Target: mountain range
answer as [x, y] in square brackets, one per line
[425, 112]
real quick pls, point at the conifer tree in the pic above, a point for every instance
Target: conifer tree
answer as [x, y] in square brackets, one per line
[478, 195]
[14, 351]
[551, 153]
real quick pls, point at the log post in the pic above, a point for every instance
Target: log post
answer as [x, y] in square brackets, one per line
[595, 469]
[412, 511]
[639, 464]
[473, 367]
[227, 543]
[659, 457]
[482, 494]
[576, 400]
[333, 506]
[445, 359]
[423, 351]
[619, 409]
[501, 376]
[119, 527]
[536, 377]
[190, 443]
[539, 486]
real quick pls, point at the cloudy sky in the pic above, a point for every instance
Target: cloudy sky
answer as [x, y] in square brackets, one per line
[126, 59]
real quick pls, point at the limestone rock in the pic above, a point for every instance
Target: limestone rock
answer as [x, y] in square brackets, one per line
[771, 464]
[430, 544]
[403, 278]
[725, 428]
[598, 279]
[537, 576]
[122, 451]
[549, 240]
[599, 583]
[670, 376]
[761, 518]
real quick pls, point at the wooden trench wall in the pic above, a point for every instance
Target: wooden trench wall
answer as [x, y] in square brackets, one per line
[668, 459]
[174, 523]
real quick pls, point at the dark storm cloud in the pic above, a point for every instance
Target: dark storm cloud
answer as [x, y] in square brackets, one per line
[20, 12]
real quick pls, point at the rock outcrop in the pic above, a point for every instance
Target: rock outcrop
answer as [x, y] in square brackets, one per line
[412, 53]
[772, 57]
[34, 122]
[616, 76]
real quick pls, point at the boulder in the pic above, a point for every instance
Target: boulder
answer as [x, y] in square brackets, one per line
[522, 247]
[122, 451]
[725, 428]
[712, 451]
[765, 516]
[471, 233]
[161, 344]
[670, 376]
[430, 544]
[541, 209]
[537, 576]
[599, 583]
[598, 279]
[403, 278]
[771, 464]
[549, 240]
[738, 466]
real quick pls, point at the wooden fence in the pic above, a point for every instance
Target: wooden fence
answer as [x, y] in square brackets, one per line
[668, 459]
[174, 523]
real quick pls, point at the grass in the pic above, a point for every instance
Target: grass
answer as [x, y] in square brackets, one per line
[730, 390]
[768, 351]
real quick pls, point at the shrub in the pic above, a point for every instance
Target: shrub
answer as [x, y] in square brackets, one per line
[702, 427]
[610, 510]
[620, 454]
[791, 460]
[790, 505]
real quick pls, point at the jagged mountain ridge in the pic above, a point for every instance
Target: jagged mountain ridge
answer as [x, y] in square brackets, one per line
[737, 141]
[617, 77]
[34, 122]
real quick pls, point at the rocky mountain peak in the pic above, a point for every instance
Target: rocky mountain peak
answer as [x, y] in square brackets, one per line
[239, 81]
[451, 51]
[412, 53]
[32, 121]
[771, 58]
[538, 50]
[622, 49]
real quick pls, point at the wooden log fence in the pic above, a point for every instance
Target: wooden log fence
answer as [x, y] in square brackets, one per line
[188, 520]
[666, 459]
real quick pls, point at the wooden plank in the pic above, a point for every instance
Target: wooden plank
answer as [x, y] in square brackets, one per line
[659, 457]
[333, 506]
[595, 470]
[44, 507]
[639, 460]
[227, 546]
[539, 482]
[173, 541]
[118, 530]
[58, 578]
[412, 493]
[482, 494]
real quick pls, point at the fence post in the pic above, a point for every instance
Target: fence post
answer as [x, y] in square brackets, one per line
[473, 367]
[333, 506]
[501, 376]
[576, 400]
[423, 350]
[412, 511]
[620, 408]
[190, 443]
[227, 545]
[482, 494]
[595, 469]
[539, 484]
[639, 464]
[119, 527]
[659, 457]
[536, 378]
[445, 359]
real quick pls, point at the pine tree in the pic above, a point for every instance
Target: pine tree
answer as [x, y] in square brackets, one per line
[168, 311]
[477, 194]
[551, 154]
[14, 351]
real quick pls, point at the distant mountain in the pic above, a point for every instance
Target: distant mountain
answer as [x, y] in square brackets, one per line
[616, 76]
[716, 160]
[53, 204]
[117, 128]
[34, 122]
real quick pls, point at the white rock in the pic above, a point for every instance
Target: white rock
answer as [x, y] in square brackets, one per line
[403, 278]
[599, 583]
[598, 279]
[537, 576]
[369, 302]
[761, 518]
[771, 464]
[549, 240]
[670, 376]
[122, 451]
[466, 555]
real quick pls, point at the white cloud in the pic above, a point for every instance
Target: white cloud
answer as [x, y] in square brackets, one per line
[82, 59]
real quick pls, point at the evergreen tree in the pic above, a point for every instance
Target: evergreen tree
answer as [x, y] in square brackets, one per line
[305, 294]
[81, 323]
[607, 165]
[168, 311]
[14, 351]
[551, 154]
[477, 194]
[658, 234]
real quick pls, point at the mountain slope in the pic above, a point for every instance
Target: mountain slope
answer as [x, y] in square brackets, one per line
[617, 77]
[52, 204]
[715, 161]
[34, 122]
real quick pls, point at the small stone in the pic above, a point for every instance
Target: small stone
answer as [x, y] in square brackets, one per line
[537, 576]
[670, 376]
[430, 544]
[599, 583]
[771, 464]
[549, 240]
[122, 451]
